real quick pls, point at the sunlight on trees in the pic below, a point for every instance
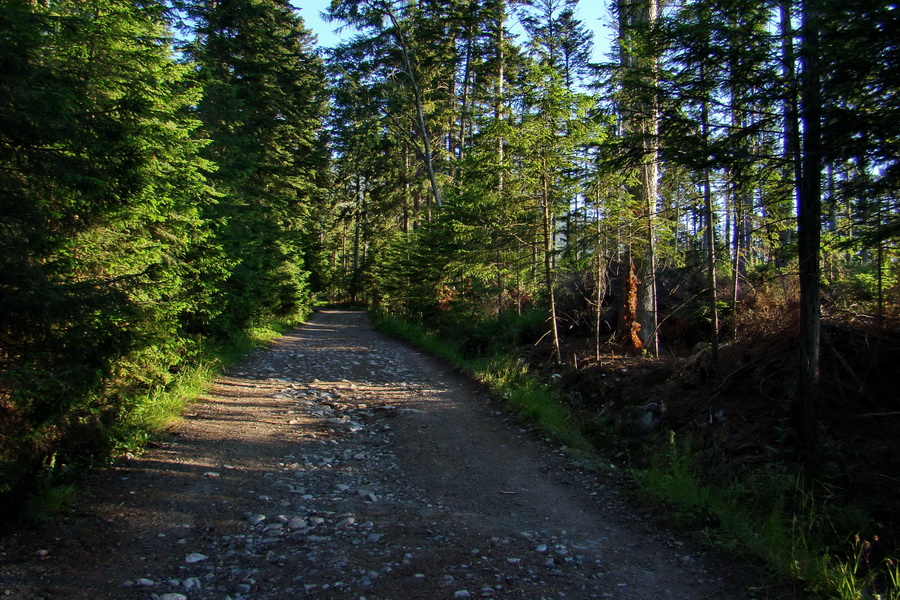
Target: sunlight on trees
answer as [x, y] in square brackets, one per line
[726, 164]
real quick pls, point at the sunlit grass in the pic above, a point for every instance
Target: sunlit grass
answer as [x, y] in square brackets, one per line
[537, 402]
[158, 409]
[412, 333]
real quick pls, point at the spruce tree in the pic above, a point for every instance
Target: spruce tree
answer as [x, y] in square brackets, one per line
[551, 130]
[638, 105]
[105, 262]
[262, 109]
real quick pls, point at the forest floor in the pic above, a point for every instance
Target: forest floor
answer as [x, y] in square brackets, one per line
[736, 415]
[339, 463]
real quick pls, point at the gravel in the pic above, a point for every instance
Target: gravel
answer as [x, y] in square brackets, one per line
[338, 463]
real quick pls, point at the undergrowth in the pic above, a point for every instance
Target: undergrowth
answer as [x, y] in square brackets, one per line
[770, 515]
[501, 372]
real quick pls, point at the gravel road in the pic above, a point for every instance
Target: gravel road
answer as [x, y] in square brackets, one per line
[339, 463]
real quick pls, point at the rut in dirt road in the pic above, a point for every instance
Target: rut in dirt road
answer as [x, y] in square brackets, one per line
[338, 463]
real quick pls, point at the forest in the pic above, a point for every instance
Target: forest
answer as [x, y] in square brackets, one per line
[706, 222]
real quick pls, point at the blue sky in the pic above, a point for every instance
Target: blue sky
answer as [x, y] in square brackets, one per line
[593, 13]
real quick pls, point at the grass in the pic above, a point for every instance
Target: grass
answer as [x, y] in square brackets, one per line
[416, 335]
[158, 409]
[538, 403]
[774, 519]
[48, 500]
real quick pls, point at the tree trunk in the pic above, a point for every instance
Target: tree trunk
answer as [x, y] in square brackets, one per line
[791, 147]
[354, 287]
[642, 121]
[629, 328]
[599, 292]
[500, 90]
[406, 195]
[547, 227]
[737, 250]
[646, 262]
[809, 217]
[709, 216]
[427, 154]
[464, 109]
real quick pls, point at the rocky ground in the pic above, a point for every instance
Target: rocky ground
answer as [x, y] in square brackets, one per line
[338, 463]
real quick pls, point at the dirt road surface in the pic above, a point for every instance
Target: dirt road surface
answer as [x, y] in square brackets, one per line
[341, 464]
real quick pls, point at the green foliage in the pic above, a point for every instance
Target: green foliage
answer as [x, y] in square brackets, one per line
[770, 516]
[47, 501]
[856, 276]
[118, 260]
[489, 336]
[262, 107]
[534, 400]
[103, 249]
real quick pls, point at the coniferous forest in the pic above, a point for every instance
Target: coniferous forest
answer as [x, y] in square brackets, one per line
[709, 214]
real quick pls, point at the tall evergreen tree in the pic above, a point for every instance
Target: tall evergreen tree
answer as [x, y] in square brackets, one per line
[551, 131]
[556, 33]
[639, 113]
[410, 46]
[106, 267]
[262, 109]
[719, 80]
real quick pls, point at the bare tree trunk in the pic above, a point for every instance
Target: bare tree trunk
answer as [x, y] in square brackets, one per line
[406, 195]
[427, 154]
[709, 216]
[880, 280]
[599, 292]
[547, 227]
[809, 217]
[737, 243]
[791, 149]
[464, 110]
[830, 209]
[647, 301]
[500, 89]
[643, 122]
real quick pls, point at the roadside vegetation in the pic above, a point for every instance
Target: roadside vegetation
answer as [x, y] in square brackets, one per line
[51, 487]
[152, 216]
[487, 352]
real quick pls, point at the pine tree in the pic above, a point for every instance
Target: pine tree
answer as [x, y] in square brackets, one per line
[552, 129]
[555, 32]
[639, 112]
[411, 47]
[860, 85]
